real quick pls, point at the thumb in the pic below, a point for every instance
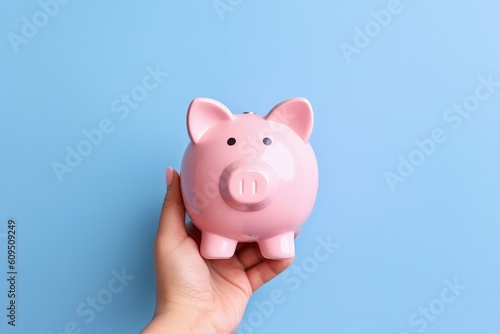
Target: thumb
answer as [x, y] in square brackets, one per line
[171, 224]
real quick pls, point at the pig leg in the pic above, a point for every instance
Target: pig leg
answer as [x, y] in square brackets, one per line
[279, 247]
[214, 246]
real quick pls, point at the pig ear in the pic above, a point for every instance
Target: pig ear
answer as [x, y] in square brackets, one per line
[295, 113]
[204, 113]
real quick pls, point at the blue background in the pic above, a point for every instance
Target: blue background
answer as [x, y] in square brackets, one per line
[396, 248]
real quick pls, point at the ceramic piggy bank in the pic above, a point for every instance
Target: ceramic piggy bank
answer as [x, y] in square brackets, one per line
[249, 178]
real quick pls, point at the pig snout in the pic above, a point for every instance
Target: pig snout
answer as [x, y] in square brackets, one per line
[247, 187]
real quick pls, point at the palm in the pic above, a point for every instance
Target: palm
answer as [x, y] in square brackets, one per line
[222, 288]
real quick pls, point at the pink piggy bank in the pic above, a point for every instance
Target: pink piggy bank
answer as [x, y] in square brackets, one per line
[249, 178]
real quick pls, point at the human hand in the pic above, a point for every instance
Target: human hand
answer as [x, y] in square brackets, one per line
[196, 295]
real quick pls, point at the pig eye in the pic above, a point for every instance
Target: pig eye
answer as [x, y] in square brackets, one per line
[231, 141]
[267, 141]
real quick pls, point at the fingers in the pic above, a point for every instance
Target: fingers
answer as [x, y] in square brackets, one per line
[171, 224]
[193, 232]
[265, 271]
[260, 270]
[249, 256]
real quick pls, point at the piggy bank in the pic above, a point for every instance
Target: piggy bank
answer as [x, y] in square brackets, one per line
[248, 178]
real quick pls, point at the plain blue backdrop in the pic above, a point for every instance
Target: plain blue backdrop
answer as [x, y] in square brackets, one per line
[380, 75]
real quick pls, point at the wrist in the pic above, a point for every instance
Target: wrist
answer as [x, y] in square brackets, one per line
[179, 322]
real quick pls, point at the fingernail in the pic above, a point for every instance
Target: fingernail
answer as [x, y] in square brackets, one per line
[170, 174]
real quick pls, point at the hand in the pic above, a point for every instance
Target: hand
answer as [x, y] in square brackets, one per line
[195, 295]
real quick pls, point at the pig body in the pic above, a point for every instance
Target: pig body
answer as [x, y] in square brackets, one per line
[249, 178]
